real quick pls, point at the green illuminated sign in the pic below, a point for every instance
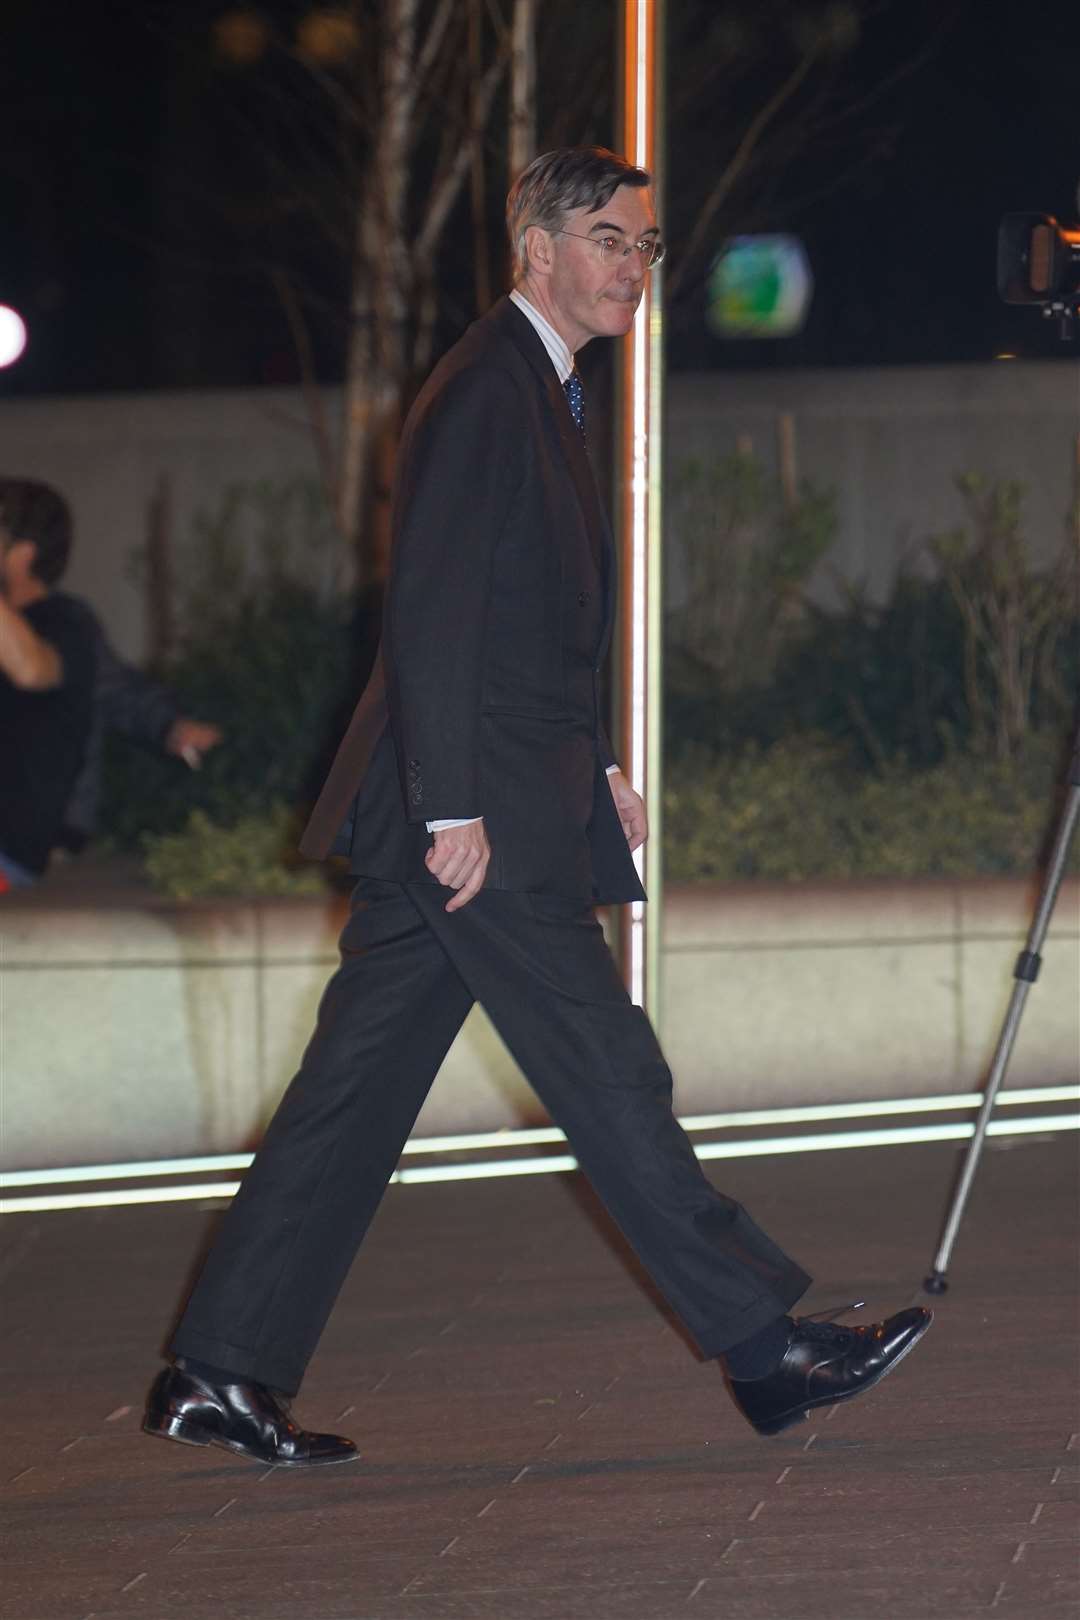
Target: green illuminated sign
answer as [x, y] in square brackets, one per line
[759, 286]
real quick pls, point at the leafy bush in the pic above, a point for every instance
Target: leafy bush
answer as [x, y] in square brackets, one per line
[1016, 618]
[976, 648]
[275, 684]
[266, 650]
[796, 811]
[800, 810]
[803, 742]
[253, 856]
[747, 554]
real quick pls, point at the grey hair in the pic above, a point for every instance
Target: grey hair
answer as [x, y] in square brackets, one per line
[555, 183]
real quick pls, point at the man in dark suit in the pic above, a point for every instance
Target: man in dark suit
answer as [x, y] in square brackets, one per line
[483, 811]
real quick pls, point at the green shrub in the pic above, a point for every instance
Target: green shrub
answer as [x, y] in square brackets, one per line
[1018, 619]
[747, 554]
[976, 647]
[793, 812]
[254, 856]
[266, 650]
[799, 810]
[278, 684]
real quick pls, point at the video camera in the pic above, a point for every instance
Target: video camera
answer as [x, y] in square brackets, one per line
[1038, 262]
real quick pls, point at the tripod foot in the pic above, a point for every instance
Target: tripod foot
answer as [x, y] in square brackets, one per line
[936, 1282]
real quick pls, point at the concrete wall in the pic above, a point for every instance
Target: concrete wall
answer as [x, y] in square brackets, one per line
[108, 453]
[890, 441]
[140, 1028]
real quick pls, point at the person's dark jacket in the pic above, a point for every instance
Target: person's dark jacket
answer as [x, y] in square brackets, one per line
[44, 731]
[484, 700]
[126, 701]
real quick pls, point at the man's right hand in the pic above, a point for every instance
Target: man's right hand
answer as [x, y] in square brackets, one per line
[189, 740]
[459, 860]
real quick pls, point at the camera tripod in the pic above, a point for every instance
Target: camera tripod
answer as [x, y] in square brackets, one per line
[1025, 973]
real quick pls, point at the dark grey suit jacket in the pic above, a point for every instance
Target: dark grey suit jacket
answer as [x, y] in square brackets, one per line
[499, 612]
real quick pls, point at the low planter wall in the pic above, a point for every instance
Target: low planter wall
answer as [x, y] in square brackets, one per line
[136, 1027]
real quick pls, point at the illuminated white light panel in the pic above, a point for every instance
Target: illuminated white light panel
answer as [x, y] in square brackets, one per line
[557, 1163]
[481, 1141]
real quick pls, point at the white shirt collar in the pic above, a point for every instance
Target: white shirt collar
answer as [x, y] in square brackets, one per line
[558, 353]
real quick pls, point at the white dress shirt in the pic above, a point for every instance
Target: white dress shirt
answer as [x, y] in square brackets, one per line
[558, 353]
[563, 361]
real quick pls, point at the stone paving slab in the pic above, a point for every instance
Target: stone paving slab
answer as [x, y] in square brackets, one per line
[538, 1441]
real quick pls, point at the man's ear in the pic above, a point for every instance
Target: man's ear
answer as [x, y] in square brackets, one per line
[538, 250]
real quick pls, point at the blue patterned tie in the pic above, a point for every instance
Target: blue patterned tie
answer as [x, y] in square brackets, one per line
[575, 398]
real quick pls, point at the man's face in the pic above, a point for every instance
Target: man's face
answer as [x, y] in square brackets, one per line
[6, 543]
[596, 296]
[16, 561]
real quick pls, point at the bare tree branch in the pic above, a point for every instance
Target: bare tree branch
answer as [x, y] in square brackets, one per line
[739, 159]
[877, 92]
[320, 428]
[429, 51]
[443, 196]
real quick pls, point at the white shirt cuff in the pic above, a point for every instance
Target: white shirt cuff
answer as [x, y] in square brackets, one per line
[467, 821]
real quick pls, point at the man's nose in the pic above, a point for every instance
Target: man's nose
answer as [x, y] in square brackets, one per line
[632, 268]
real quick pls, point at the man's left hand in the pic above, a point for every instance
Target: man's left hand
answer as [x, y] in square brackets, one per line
[635, 823]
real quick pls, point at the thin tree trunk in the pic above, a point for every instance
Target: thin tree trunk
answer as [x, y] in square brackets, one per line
[427, 311]
[380, 292]
[313, 398]
[522, 87]
[481, 255]
[160, 582]
[389, 272]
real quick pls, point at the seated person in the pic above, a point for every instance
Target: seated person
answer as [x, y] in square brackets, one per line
[43, 631]
[47, 672]
[132, 703]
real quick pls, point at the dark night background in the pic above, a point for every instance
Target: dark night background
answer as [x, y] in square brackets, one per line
[133, 270]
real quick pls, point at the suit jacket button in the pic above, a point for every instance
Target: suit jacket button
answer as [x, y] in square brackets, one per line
[583, 598]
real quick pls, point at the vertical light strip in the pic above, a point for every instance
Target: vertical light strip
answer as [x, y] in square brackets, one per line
[654, 627]
[640, 477]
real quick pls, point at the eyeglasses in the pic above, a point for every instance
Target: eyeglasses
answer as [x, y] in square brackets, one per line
[612, 248]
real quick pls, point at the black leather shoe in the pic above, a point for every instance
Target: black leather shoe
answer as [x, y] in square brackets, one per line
[825, 1363]
[245, 1418]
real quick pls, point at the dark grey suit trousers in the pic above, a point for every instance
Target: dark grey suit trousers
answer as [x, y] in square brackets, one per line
[409, 973]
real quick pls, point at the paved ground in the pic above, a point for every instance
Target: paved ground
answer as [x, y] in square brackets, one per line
[538, 1441]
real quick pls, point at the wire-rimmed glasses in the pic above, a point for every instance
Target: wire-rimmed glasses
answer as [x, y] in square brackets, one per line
[612, 248]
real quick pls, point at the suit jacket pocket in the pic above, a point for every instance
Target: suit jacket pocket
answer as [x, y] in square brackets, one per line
[524, 712]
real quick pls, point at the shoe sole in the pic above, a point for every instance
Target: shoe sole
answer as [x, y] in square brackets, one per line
[800, 1414]
[189, 1434]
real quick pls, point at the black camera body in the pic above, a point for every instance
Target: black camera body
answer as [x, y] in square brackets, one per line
[1038, 262]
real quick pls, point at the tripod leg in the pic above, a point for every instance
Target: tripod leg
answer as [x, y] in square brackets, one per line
[1025, 974]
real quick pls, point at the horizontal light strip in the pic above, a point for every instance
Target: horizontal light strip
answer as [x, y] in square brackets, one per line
[761, 1146]
[872, 1110]
[119, 1195]
[900, 1136]
[555, 1163]
[480, 1141]
[125, 1172]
